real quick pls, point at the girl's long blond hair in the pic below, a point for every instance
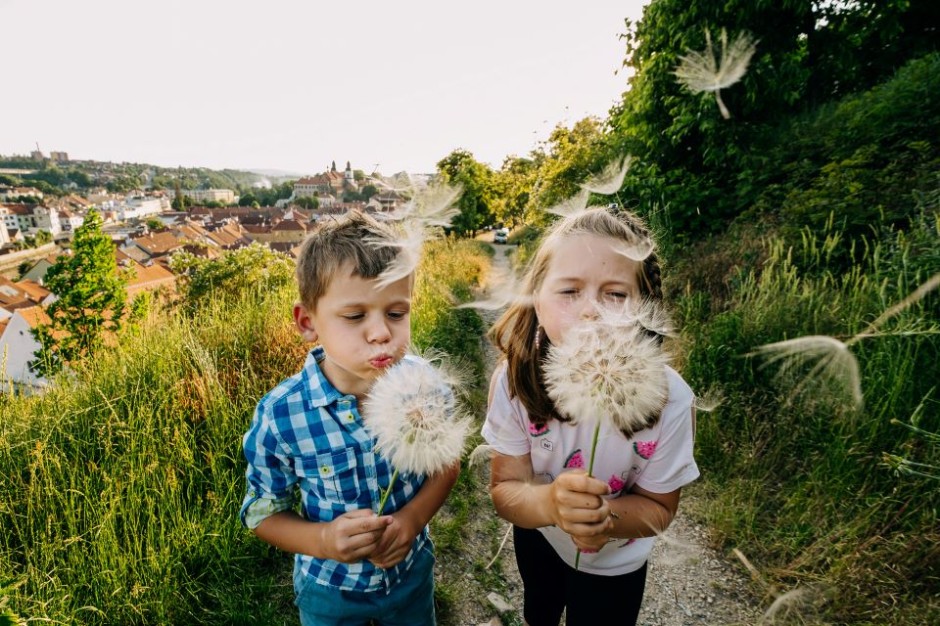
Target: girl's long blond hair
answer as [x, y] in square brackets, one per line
[514, 333]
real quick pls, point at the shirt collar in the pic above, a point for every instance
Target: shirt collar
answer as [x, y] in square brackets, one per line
[322, 391]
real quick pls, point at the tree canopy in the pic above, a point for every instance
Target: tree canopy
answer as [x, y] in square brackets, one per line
[90, 297]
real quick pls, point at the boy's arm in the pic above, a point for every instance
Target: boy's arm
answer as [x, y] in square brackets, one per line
[414, 516]
[349, 538]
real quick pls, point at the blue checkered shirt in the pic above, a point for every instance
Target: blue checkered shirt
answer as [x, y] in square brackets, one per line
[307, 437]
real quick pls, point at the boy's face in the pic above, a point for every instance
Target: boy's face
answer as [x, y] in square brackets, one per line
[362, 329]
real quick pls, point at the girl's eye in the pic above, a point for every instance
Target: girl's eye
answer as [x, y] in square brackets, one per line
[396, 315]
[568, 292]
[618, 296]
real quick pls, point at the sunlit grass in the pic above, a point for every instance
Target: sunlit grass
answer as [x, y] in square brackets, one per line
[120, 487]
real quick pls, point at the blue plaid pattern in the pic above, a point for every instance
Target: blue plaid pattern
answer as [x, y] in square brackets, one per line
[308, 438]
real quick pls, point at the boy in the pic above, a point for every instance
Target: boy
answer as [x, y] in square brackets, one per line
[351, 566]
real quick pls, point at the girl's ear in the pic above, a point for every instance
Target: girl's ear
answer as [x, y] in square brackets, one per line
[303, 320]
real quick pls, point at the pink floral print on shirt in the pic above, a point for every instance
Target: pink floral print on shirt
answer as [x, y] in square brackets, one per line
[645, 448]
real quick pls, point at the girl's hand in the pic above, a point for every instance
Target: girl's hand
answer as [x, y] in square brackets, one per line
[590, 544]
[578, 508]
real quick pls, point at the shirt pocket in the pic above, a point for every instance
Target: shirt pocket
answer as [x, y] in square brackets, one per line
[331, 476]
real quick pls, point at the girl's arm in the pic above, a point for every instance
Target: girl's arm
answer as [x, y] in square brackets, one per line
[572, 501]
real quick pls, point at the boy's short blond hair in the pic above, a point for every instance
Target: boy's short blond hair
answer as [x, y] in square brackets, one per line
[353, 238]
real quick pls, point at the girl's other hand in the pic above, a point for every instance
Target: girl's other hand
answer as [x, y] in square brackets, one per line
[577, 505]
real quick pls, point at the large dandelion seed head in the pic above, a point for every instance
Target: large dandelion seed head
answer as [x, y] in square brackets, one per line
[608, 369]
[412, 412]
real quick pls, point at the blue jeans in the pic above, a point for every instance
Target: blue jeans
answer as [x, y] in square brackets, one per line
[409, 603]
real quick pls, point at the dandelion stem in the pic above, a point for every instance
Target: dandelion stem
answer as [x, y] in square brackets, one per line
[597, 432]
[388, 490]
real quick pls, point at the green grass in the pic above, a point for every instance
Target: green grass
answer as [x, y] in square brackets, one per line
[120, 487]
[796, 472]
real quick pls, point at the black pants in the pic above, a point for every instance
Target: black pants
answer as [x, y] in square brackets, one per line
[551, 586]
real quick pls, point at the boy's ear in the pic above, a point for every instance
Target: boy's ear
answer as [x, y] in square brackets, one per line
[304, 322]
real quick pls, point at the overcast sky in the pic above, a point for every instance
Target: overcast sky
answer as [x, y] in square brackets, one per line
[295, 84]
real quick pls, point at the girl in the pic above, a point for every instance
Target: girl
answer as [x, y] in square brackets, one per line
[611, 519]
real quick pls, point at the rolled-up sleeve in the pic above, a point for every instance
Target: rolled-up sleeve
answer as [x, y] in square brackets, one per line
[270, 476]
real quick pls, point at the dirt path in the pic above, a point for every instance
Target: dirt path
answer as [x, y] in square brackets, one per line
[688, 584]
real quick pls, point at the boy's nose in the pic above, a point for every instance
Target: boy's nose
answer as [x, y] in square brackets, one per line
[378, 332]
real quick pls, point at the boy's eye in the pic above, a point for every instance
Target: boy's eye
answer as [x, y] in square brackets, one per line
[353, 317]
[397, 315]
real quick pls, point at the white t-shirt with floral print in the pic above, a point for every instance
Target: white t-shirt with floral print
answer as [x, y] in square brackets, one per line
[658, 459]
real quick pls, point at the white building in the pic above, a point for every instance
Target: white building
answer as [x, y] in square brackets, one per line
[138, 207]
[18, 347]
[46, 219]
[199, 196]
[29, 219]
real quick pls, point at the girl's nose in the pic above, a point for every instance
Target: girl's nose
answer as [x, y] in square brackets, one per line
[589, 309]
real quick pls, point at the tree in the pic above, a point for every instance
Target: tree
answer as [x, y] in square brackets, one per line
[512, 187]
[43, 237]
[90, 297]
[475, 180]
[809, 52]
[254, 269]
[307, 202]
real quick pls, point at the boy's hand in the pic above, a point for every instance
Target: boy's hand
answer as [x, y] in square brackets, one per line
[578, 508]
[354, 536]
[395, 541]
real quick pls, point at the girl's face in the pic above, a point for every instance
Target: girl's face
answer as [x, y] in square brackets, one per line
[585, 272]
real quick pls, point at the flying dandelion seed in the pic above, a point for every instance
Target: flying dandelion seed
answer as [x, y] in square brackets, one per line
[709, 401]
[572, 205]
[431, 206]
[636, 250]
[503, 289]
[610, 180]
[705, 72]
[608, 370]
[793, 601]
[832, 360]
[412, 413]
[420, 220]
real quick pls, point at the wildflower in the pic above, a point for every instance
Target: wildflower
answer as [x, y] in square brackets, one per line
[702, 71]
[412, 413]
